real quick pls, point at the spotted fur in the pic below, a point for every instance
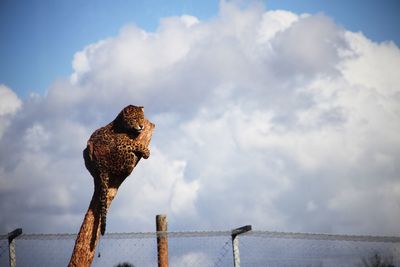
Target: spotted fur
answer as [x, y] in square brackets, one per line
[112, 152]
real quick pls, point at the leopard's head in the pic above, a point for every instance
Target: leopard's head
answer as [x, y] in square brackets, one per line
[131, 119]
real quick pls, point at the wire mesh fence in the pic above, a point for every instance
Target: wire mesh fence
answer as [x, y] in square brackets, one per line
[299, 249]
[209, 249]
[3, 251]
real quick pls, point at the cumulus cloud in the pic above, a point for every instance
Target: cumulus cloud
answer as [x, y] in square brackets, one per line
[284, 121]
[9, 104]
[192, 259]
[160, 187]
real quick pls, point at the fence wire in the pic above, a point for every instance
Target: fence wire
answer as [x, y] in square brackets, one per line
[299, 249]
[212, 249]
[3, 251]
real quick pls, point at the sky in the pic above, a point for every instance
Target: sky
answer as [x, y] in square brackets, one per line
[41, 37]
[279, 115]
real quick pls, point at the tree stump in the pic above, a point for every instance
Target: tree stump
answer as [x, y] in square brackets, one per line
[89, 234]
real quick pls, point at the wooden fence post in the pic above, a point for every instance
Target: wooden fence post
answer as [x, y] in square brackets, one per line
[162, 240]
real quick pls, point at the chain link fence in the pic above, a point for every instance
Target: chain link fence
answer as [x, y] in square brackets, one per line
[260, 248]
[208, 249]
[4, 251]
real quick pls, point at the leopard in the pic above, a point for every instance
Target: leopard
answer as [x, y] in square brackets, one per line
[112, 152]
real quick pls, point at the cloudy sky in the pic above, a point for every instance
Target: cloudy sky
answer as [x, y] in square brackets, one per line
[283, 116]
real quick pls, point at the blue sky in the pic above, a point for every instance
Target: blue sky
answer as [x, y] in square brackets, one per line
[39, 38]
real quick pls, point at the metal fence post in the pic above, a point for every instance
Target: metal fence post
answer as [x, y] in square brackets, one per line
[235, 243]
[11, 246]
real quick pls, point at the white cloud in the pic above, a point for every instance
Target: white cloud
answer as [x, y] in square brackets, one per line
[36, 137]
[283, 121]
[191, 259]
[156, 186]
[274, 22]
[372, 65]
[9, 104]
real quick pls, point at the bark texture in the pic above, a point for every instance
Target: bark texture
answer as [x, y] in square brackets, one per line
[89, 233]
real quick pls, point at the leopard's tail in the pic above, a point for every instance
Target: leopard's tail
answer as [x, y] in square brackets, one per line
[103, 203]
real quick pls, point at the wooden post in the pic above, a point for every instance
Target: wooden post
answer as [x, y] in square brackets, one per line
[11, 246]
[89, 233]
[162, 240]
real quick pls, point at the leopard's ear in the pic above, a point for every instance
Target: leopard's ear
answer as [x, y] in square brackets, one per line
[142, 108]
